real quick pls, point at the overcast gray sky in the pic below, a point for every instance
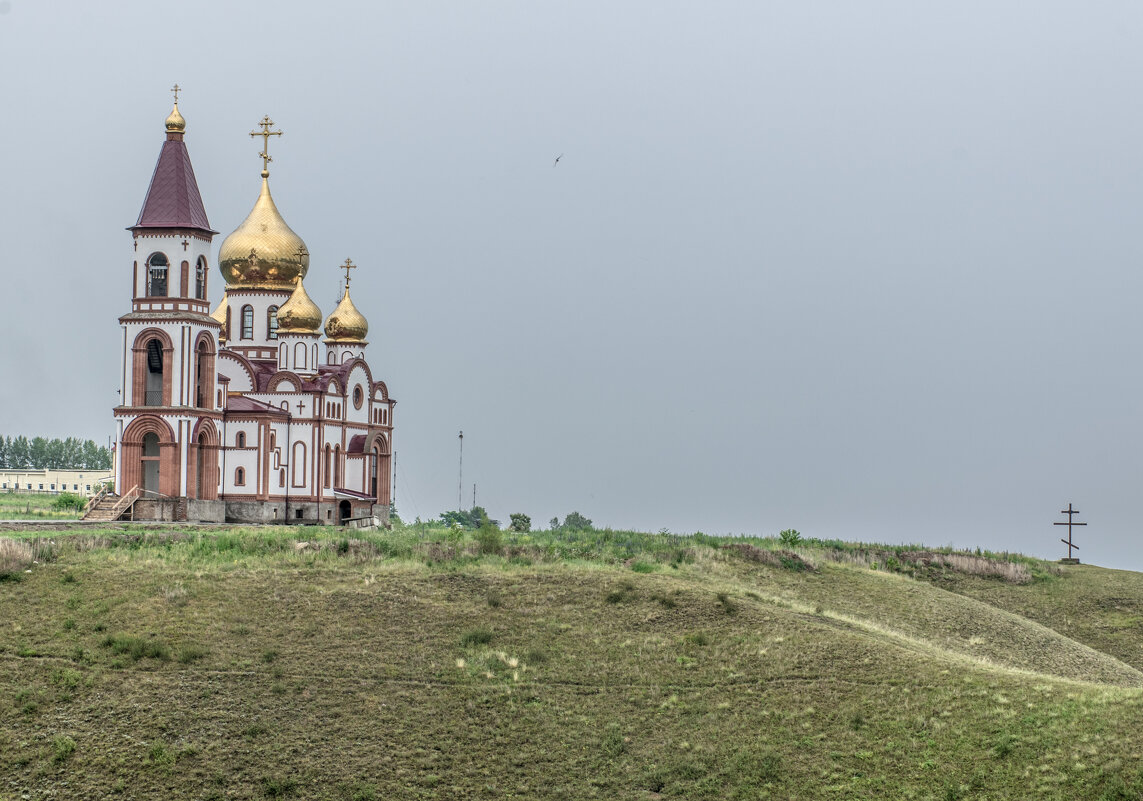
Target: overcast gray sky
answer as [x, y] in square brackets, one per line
[870, 270]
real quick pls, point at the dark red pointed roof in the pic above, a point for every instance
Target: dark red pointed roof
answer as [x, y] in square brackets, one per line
[173, 200]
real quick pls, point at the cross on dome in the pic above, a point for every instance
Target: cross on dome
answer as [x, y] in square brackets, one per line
[349, 265]
[176, 89]
[266, 124]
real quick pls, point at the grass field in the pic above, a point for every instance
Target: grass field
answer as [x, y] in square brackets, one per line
[33, 506]
[294, 663]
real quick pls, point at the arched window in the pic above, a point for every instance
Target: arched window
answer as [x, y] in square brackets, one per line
[240, 439]
[226, 328]
[240, 477]
[272, 323]
[157, 275]
[247, 322]
[154, 388]
[299, 464]
[203, 365]
[200, 279]
[337, 466]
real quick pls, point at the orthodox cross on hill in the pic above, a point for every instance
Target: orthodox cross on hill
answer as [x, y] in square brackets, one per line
[349, 265]
[266, 124]
[176, 89]
[1068, 542]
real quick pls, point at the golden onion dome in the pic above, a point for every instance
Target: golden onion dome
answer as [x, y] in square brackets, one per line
[175, 122]
[346, 323]
[219, 316]
[299, 313]
[263, 252]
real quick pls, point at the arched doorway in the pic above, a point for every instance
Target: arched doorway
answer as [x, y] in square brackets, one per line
[150, 457]
[343, 511]
[150, 464]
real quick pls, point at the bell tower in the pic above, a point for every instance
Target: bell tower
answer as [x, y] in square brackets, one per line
[167, 423]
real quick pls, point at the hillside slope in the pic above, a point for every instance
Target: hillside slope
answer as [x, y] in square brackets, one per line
[211, 665]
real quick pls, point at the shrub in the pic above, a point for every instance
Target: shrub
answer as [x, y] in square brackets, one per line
[790, 538]
[643, 567]
[613, 743]
[69, 502]
[62, 748]
[476, 637]
[191, 653]
[727, 605]
[520, 522]
[137, 647]
[274, 787]
[160, 755]
[488, 537]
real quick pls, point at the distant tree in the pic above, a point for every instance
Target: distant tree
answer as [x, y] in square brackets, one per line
[18, 453]
[520, 522]
[72, 453]
[473, 519]
[576, 522]
[38, 453]
[554, 523]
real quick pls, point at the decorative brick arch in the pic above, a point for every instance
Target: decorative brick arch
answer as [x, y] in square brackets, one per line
[204, 371]
[133, 456]
[378, 469]
[202, 462]
[139, 366]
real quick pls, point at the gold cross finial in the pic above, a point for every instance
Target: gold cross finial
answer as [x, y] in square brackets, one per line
[349, 265]
[176, 90]
[266, 124]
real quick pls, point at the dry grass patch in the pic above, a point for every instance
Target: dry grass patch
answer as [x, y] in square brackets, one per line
[15, 557]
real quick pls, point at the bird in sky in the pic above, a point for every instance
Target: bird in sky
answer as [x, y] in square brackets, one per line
[557, 161]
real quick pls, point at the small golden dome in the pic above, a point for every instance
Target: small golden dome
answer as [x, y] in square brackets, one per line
[175, 122]
[299, 313]
[219, 316]
[345, 323]
[263, 252]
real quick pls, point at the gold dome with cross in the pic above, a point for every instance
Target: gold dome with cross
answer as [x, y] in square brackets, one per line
[263, 252]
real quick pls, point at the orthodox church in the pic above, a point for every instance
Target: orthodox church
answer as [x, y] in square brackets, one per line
[257, 411]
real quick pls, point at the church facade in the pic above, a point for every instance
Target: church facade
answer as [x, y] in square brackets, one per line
[259, 410]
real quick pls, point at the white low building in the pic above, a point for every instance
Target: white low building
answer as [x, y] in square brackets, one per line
[77, 482]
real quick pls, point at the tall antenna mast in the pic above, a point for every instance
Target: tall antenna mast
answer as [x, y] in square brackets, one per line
[460, 478]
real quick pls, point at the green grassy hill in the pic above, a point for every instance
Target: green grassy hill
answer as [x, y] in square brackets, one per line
[290, 663]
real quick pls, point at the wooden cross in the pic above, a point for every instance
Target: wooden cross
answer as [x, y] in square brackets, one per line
[176, 90]
[349, 265]
[266, 124]
[1068, 542]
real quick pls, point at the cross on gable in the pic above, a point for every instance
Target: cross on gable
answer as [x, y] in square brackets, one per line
[266, 124]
